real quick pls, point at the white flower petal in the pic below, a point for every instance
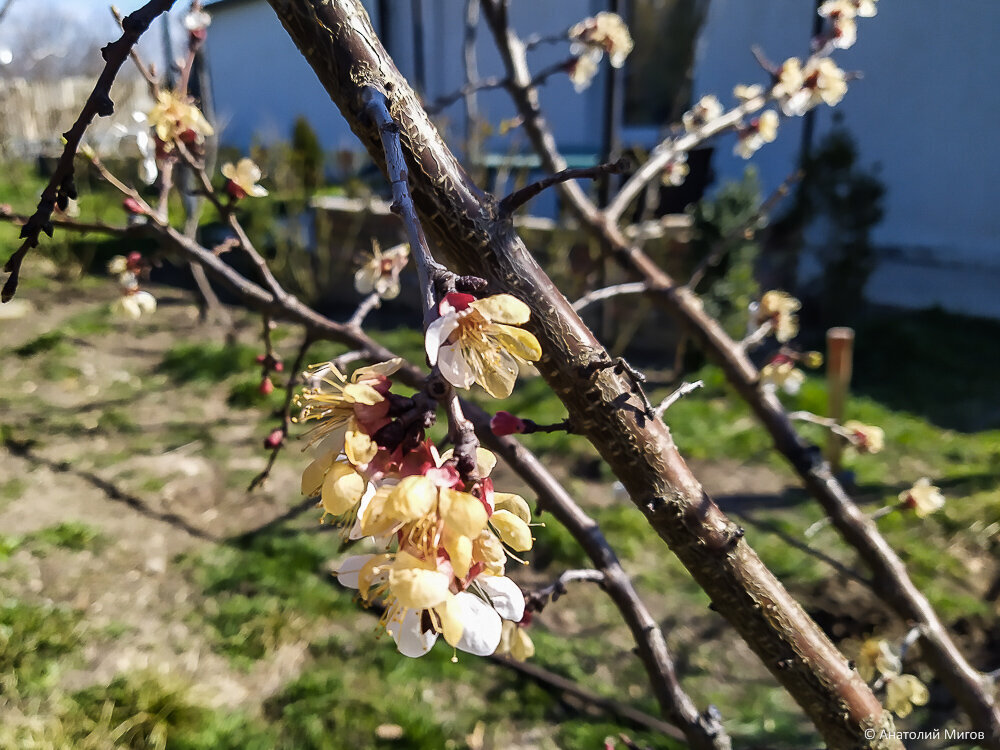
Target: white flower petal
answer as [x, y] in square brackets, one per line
[348, 570]
[454, 367]
[362, 507]
[410, 640]
[437, 333]
[504, 595]
[481, 625]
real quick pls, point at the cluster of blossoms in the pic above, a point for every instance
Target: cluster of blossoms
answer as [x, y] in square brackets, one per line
[592, 38]
[705, 110]
[841, 14]
[778, 309]
[799, 89]
[127, 270]
[175, 118]
[443, 541]
[480, 341]
[380, 272]
[876, 658]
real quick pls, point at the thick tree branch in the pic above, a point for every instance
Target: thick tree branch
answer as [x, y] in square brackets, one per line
[337, 39]
[970, 687]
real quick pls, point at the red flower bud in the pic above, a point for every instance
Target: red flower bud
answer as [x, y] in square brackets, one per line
[133, 206]
[266, 386]
[457, 300]
[259, 359]
[505, 423]
[274, 439]
[279, 367]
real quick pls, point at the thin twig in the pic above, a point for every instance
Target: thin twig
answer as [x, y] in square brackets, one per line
[518, 198]
[286, 411]
[631, 287]
[369, 303]
[676, 396]
[61, 187]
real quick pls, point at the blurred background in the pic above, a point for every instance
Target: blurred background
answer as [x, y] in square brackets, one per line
[147, 599]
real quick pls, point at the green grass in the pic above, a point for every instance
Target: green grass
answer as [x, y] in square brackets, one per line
[35, 640]
[69, 535]
[149, 713]
[189, 362]
[267, 592]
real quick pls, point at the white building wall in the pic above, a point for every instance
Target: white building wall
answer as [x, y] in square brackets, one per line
[925, 113]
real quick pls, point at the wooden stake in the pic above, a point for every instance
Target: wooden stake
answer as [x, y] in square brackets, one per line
[840, 359]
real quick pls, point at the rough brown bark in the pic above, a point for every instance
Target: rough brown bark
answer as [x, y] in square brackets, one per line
[336, 38]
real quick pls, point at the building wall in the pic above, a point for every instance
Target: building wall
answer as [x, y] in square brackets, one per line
[262, 84]
[924, 115]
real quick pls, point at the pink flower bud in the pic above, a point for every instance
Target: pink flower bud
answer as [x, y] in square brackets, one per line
[274, 439]
[266, 386]
[279, 367]
[505, 423]
[259, 359]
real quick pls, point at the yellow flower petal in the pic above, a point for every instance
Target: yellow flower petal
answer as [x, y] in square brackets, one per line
[464, 514]
[359, 447]
[416, 587]
[360, 393]
[370, 571]
[518, 342]
[450, 614]
[312, 477]
[513, 503]
[342, 489]
[512, 530]
[411, 499]
[486, 548]
[459, 549]
[502, 308]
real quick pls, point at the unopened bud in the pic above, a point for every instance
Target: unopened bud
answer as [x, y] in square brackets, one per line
[505, 423]
[266, 386]
[274, 439]
[133, 206]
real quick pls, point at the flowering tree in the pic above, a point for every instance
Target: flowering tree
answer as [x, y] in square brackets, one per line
[442, 534]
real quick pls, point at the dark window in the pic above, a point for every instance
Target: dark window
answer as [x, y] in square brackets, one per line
[659, 71]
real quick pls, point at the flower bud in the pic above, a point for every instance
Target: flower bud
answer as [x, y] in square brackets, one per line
[266, 386]
[274, 439]
[133, 206]
[505, 423]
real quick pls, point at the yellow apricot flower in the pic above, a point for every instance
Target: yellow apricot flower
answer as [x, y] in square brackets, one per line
[903, 692]
[335, 402]
[380, 273]
[923, 498]
[779, 309]
[174, 117]
[875, 656]
[705, 110]
[478, 341]
[782, 373]
[516, 642]
[243, 179]
[866, 438]
[761, 130]
[800, 89]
